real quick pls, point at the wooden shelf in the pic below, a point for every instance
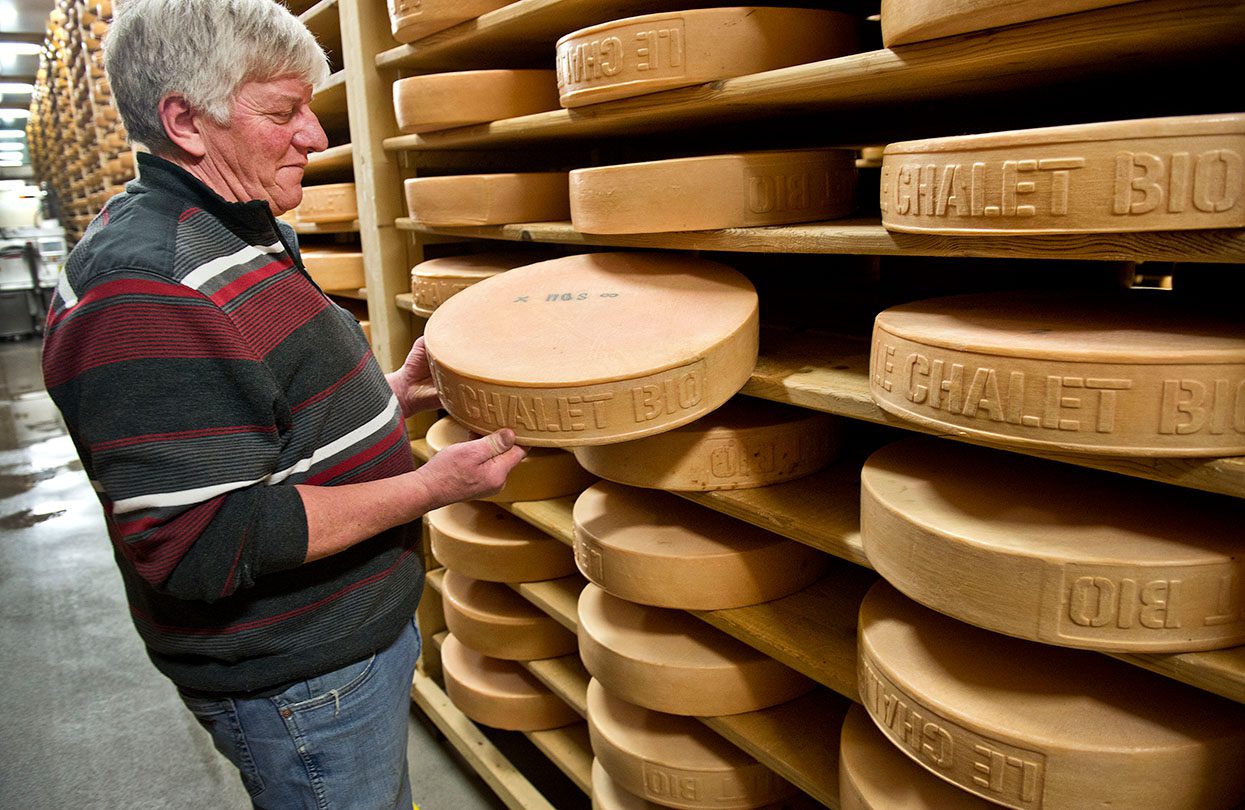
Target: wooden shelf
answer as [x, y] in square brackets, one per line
[568, 748]
[557, 597]
[337, 160]
[326, 227]
[566, 677]
[329, 103]
[324, 21]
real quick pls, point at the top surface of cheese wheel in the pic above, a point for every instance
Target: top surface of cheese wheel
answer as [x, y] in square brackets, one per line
[907, 21]
[485, 542]
[595, 348]
[434, 281]
[493, 619]
[413, 19]
[1053, 553]
[1028, 725]
[441, 100]
[499, 693]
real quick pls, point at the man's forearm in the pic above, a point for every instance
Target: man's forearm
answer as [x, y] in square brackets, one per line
[340, 517]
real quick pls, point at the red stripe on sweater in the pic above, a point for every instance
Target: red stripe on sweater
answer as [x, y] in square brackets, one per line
[354, 372]
[229, 430]
[358, 459]
[249, 279]
[273, 314]
[155, 557]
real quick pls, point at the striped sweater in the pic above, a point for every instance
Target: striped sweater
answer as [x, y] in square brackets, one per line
[202, 374]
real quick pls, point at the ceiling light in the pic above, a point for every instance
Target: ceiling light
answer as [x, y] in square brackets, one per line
[12, 133]
[20, 49]
[16, 88]
[13, 112]
[12, 147]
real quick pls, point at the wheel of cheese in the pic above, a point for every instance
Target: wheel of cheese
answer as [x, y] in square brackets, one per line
[1138, 373]
[442, 100]
[493, 620]
[485, 542]
[745, 443]
[435, 280]
[637, 55]
[908, 21]
[332, 202]
[670, 661]
[718, 191]
[658, 549]
[488, 199]
[335, 269]
[607, 794]
[544, 473]
[500, 694]
[1155, 174]
[366, 326]
[414, 19]
[675, 761]
[875, 775]
[595, 349]
[1028, 725]
[1053, 553]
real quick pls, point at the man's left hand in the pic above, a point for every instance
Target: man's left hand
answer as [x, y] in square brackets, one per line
[413, 384]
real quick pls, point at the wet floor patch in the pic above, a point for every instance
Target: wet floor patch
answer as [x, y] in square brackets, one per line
[27, 518]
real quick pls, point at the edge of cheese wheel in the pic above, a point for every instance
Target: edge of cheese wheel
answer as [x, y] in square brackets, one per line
[500, 694]
[1046, 552]
[908, 21]
[1025, 724]
[435, 101]
[669, 661]
[607, 794]
[434, 281]
[493, 620]
[411, 20]
[488, 199]
[488, 543]
[658, 549]
[331, 202]
[652, 52]
[335, 269]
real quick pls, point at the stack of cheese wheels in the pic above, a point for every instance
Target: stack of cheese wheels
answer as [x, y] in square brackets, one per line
[333, 202]
[335, 269]
[594, 349]
[1028, 725]
[638, 55]
[1142, 175]
[434, 281]
[543, 473]
[1052, 553]
[907, 21]
[669, 661]
[493, 620]
[500, 693]
[675, 761]
[658, 549]
[484, 542]
[1125, 373]
[745, 443]
[414, 19]
[488, 199]
[442, 100]
[717, 191]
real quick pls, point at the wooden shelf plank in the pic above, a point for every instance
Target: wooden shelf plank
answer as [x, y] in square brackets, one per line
[1218, 671]
[568, 748]
[329, 103]
[566, 677]
[326, 227]
[557, 597]
[335, 160]
[324, 21]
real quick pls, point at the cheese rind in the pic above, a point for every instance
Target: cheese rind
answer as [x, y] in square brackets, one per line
[488, 199]
[498, 693]
[719, 191]
[1126, 373]
[670, 661]
[335, 269]
[332, 202]
[485, 542]
[645, 54]
[1144, 175]
[607, 794]
[658, 549]
[494, 620]
[908, 21]
[435, 101]
[594, 349]
[434, 281]
[414, 19]
[1028, 725]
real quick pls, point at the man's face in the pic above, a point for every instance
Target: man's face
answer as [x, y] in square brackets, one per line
[261, 154]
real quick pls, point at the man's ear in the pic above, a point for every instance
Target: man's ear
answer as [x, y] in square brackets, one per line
[181, 125]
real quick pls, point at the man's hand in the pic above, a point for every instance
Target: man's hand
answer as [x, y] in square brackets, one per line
[412, 384]
[472, 469]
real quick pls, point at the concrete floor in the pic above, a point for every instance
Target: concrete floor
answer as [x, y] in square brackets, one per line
[85, 720]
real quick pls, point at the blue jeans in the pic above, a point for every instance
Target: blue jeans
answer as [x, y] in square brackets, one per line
[333, 741]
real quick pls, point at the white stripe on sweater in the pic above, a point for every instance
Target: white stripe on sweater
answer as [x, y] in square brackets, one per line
[204, 273]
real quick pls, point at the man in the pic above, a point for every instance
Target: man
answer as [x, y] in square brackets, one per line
[248, 452]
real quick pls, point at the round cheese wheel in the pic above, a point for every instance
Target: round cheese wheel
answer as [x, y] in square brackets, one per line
[718, 191]
[493, 620]
[1053, 553]
[485, 542]
[1126, 373]
[745, 443]
[442, 100]
[488, 199]
[332, 202]
[907, 21]
[675, 761]
[335, 269]
[594, 349]
[1144, 175]
[414, 19]
[1028, 725]
[435, 280]
[498, 693]
[638, 55]
[607, 794]
[658, 549]
[670, 661]
[543, 473]
[875, 775]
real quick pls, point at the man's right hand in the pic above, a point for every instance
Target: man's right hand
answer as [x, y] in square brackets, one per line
[473, 469]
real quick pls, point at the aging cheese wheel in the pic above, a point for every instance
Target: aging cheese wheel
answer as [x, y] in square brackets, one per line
[595, 349]
[485, 542]
[333, 202]
[1154, 174]
[638, 55]
[414, 19]
[544, 473]
[498, 693]
[875, 775]
[335, 269]
[493, 620]
[1028, 725]
[1126, 373]
[718, 191]
[1053, 553]
[907, 21]
[607, 794]
[488, 199]
[435, 280]
[745, 443]
[670, 661]
[658, 549]
[443, 100]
